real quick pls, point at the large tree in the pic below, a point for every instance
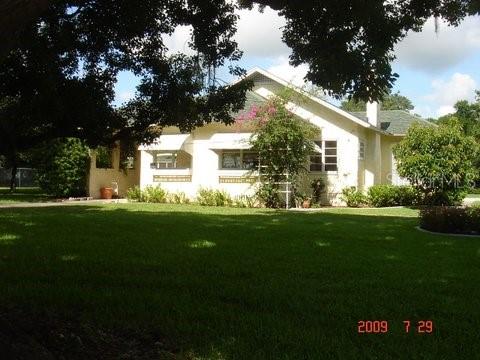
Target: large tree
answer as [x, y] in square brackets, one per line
[389, 102]
[63, 58]
[347, 44]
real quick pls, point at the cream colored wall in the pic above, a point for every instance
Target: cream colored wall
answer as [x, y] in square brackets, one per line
[99, 178]
[205, 167]
[387, 160]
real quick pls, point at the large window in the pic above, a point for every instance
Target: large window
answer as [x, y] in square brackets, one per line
[325, 157]
[239, 160]
[170, 160]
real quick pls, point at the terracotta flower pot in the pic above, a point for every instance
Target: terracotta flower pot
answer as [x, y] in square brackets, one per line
[306, 204]
[106, 193]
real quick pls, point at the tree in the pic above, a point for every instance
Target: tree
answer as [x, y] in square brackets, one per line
[438, 161]
[62, 167]
[59, 81]
[389, 102]
[348, 45]
[283, 142]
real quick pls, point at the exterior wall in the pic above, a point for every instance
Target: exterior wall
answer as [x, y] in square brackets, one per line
[99, 178]
[205, 169]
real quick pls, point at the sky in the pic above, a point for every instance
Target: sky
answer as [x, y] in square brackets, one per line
[436, 68]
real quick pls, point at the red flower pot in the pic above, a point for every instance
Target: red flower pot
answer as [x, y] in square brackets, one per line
[106, 193]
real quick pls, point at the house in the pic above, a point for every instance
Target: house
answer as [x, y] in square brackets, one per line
[354, 149]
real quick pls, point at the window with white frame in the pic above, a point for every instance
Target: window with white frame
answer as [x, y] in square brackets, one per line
[325, 156]
[238, 160]
[170, 160]
[361, 150]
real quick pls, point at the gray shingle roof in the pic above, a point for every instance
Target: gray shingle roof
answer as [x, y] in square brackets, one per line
[251, 99]
[395, 122]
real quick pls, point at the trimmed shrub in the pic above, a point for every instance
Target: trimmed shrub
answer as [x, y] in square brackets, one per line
[211, 197]
[449, 219]
[392, 195]
[62, 167]
[354, 197]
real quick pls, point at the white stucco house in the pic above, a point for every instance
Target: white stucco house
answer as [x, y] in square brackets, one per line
[354, 149]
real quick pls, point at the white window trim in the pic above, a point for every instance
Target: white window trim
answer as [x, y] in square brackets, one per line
[323, 171]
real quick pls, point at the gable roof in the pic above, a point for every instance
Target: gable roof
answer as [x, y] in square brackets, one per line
[396, 122]
[345, 114]
[392, 122]
[251, 99]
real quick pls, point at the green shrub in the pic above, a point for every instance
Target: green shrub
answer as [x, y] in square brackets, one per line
[439, 161]
[269, 196]
[392, 195]
[151, 194]
[62, 167]
[245, 201]
[353, 197]
[135, 194]
[318, 187]
[155, 194]
[178, 198]
[448, 219]
[211, 197]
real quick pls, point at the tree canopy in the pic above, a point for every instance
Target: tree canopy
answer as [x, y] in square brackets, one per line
[389, 102]
[59, 60]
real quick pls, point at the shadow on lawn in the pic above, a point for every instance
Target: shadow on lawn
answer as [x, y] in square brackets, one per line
[237, 283]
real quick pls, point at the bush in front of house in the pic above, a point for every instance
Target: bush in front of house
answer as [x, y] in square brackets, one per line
[62, 167]
[439, 161]
[151, 194]
[269, 196]
[353, 197]
[178, 198]
[212, 197]
[449, 219]
[392, 195]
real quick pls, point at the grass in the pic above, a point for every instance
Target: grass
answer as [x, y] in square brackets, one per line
[248, 284]
[21, 195]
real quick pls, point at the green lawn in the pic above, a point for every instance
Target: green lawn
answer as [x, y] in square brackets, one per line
[21, 195]
[224, 283]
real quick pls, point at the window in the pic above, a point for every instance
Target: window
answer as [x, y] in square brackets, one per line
[103, 159]
[170, 160]
[239, 160]
[165, 161]
[316, 161]
[325, 157]
[250, 160]
[231, 160]
[361, 150]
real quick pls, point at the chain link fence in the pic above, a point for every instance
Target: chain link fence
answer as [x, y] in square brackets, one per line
[25, 177]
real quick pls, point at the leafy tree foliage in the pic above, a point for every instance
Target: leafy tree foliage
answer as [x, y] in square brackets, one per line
[283, 142]
[438, 161]
[62, 167]
[59, 81]
[389, 102]
[467, 115]
[347, 44]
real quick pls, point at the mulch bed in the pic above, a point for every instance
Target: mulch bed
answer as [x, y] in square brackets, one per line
[45, 336]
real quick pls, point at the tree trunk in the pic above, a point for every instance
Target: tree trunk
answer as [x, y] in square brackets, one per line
[13, 178]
